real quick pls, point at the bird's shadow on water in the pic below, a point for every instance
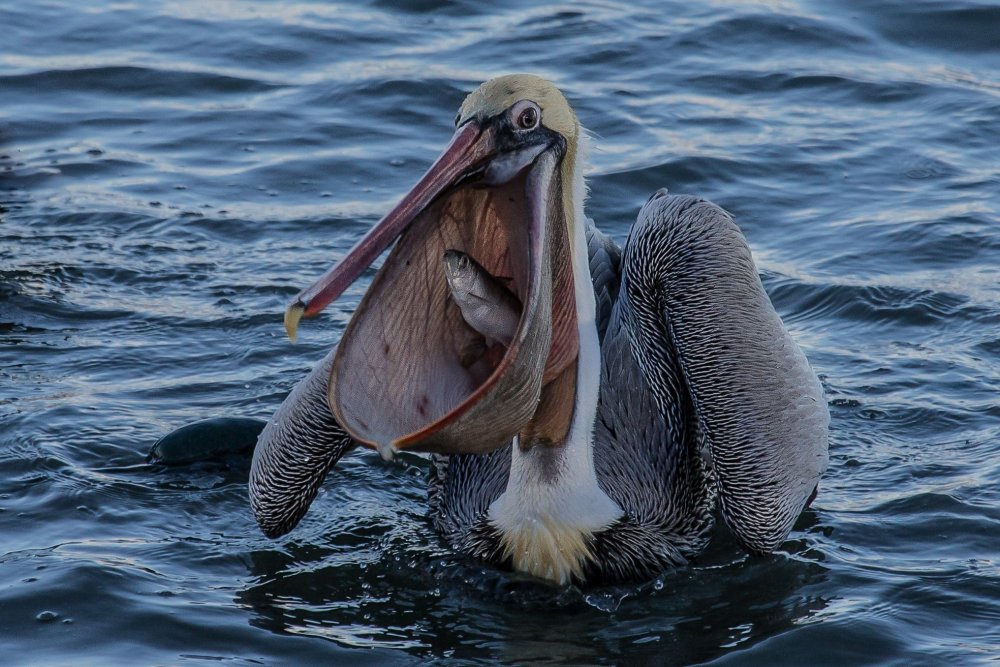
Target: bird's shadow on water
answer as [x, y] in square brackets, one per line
[432, 603]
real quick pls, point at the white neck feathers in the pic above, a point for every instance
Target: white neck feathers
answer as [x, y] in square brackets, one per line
[553, 505]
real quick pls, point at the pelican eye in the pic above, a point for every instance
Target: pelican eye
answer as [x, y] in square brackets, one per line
[526, 115]
[528, 118]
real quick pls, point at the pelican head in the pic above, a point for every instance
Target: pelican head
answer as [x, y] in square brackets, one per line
[506, 191]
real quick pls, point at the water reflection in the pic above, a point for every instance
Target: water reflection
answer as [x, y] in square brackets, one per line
[445, 605]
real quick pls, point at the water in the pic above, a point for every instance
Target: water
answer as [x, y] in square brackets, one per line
[173, 172]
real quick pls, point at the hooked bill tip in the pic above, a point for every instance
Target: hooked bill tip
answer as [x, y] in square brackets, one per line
[292, 316]
[386, 451]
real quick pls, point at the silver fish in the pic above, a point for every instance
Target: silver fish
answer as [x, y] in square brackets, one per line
[487, 305]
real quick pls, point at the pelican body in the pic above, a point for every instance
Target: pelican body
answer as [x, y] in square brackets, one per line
[642, 388]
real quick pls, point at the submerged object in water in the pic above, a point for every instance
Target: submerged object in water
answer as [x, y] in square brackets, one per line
[205, 440]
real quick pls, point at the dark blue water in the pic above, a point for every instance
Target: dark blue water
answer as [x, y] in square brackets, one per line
[173, 172]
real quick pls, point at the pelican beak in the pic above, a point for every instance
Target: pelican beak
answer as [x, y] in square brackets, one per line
[401, 377]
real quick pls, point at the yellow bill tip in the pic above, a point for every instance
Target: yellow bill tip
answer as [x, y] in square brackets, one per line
[292, 316]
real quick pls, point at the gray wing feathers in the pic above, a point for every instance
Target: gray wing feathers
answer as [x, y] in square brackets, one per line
[461, 489]
[605, 271]
[295, 452]
[659, 480]
[758, 402]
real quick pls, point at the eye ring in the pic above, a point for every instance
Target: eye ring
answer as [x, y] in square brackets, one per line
[526, 115]
[527, 119]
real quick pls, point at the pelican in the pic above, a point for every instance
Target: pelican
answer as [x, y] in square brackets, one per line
[647, 389]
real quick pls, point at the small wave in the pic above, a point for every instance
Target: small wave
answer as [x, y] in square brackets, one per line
[782, 31]
[137, 81]
[949, 26]
[873, 303]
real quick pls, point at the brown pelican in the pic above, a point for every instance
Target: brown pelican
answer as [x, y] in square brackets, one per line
[644, 387]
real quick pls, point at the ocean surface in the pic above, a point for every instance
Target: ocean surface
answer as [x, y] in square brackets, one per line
[172, 172]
